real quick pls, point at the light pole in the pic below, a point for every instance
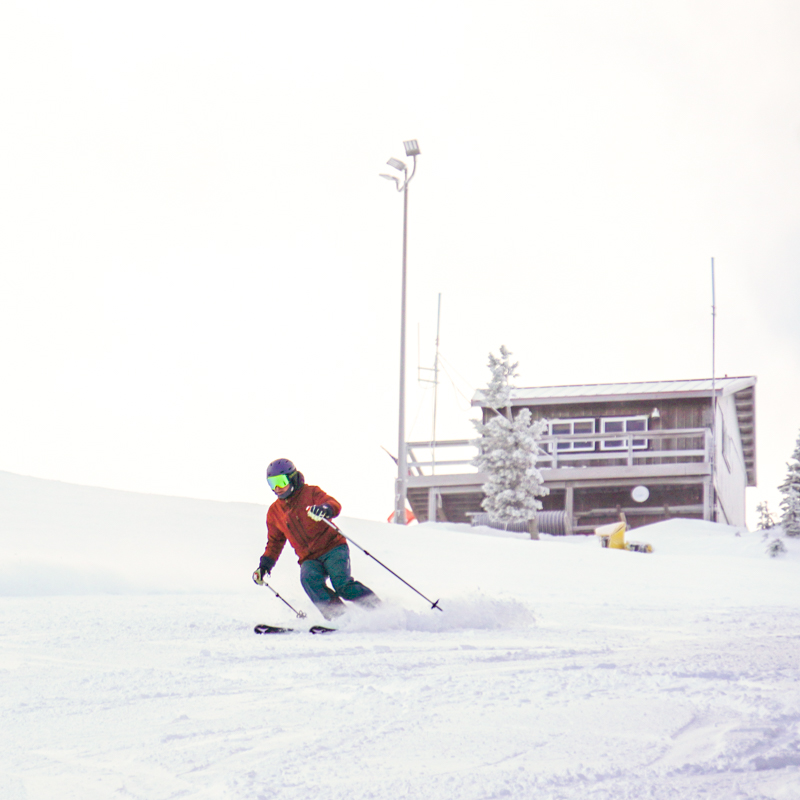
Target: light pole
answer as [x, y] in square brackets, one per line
[401, 488]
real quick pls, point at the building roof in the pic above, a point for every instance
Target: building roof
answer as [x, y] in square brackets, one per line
[603, 392]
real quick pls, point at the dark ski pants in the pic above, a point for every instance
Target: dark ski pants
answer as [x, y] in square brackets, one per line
[335, 564]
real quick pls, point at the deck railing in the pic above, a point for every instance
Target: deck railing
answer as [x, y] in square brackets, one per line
[678, 445]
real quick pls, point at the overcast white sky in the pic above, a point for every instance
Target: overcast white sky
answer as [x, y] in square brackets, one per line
[201, 266]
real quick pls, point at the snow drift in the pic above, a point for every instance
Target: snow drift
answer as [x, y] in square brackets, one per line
[557, 669]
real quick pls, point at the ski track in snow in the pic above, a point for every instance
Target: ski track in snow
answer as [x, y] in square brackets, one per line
[167, 697]
[556, 671]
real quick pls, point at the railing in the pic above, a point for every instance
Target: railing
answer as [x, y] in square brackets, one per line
[678, 445]
[415, 465]
[633, 446]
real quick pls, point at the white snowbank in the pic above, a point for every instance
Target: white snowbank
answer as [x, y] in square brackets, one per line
[556, 669]
[60, 539]
[63, 539]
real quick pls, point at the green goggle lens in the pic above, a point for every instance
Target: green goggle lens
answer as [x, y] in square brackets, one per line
[278, 481]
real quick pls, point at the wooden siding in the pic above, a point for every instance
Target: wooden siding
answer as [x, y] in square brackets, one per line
[681, 413]
[674, 414]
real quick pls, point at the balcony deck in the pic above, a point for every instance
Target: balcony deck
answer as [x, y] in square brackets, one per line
[653, 458]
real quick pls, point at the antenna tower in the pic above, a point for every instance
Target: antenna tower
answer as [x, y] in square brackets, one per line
[435, 382]
[714, 396]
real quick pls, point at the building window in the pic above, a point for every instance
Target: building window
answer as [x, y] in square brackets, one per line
[623, 425]
[569, 427]
[724, 442]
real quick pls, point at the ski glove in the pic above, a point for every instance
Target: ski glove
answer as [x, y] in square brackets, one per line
[318, 513]
[265, 566]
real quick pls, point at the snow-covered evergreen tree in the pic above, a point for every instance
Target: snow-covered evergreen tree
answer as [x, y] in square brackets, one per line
[766, 520]
[497, 394]
[507, 452]
[790, 489]
[776, 548]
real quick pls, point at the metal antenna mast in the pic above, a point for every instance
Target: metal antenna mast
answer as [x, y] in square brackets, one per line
[713, 394]
[435, 382]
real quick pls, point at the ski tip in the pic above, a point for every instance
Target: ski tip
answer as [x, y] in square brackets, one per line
[264, 629]
[271, 629]
[436, 606]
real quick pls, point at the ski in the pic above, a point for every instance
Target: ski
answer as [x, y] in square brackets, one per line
[278, 629]
[271, 629]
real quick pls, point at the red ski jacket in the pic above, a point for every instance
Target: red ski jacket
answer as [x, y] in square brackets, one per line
[288, 519]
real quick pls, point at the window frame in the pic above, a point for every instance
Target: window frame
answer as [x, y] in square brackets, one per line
[619, 445]
[573, 446]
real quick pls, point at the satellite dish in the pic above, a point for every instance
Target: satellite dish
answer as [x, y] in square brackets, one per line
[640, 493]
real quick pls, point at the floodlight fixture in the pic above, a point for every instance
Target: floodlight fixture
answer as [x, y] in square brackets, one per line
[401, 484]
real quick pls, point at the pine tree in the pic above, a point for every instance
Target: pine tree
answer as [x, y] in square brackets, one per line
[507, 452]
[776, 548]
[766, 520]
[498, 392]
[790, 489]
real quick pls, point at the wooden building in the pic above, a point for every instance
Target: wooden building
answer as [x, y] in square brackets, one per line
[654, 450]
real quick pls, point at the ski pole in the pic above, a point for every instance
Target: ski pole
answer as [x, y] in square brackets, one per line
[341, 533]
[299, 614]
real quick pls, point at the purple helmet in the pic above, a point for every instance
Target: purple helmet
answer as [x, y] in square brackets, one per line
[283, 468]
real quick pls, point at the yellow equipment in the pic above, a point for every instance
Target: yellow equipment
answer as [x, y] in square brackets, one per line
[613, 536]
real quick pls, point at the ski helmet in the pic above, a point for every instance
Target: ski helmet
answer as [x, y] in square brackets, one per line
[283, 467]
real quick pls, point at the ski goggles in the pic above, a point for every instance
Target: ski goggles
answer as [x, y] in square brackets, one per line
[277, 482]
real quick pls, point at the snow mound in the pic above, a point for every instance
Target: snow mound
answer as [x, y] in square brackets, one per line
[61, 539]
[30, 577]
[457, 614]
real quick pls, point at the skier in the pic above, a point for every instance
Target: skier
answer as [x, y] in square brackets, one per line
[298, 515]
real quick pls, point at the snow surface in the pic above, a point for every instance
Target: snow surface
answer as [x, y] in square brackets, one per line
[558, 669]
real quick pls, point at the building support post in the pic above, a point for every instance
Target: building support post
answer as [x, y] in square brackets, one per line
[569, 505]
[433, 503]
[708, 499]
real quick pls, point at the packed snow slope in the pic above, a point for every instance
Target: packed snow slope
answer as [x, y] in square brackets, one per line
[557, 669]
